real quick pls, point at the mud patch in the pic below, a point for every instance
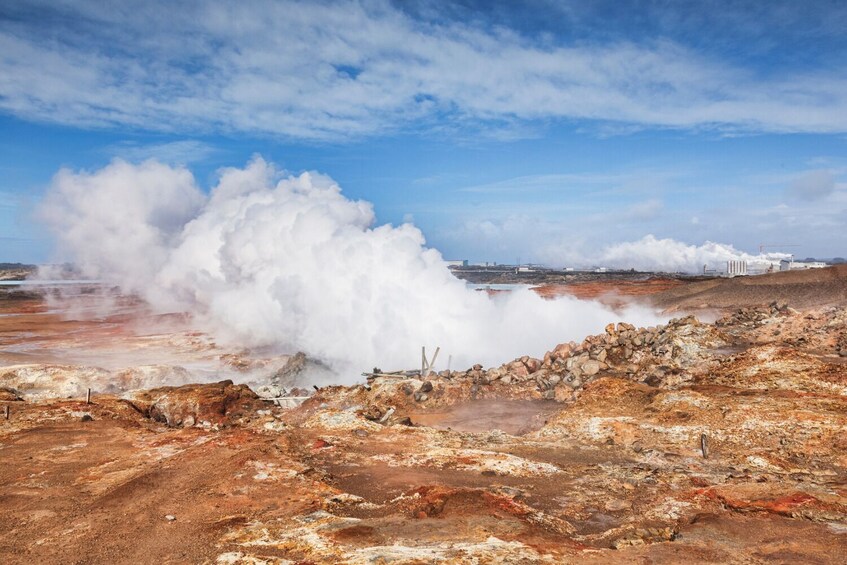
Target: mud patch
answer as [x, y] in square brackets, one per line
[514, 417]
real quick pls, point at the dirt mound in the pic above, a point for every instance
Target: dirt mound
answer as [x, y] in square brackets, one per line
[799, 289]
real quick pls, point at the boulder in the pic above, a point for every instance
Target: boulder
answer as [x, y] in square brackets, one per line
[217, 403]
[562, 351]
[591, 367]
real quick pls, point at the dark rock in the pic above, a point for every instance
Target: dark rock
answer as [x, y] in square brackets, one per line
[426, 387]
[372, 413]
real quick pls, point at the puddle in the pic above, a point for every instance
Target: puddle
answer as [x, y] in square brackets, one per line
[729, 350]
[514, 417]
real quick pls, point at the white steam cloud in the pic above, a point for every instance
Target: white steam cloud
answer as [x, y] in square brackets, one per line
[287, 262]
[669, 255]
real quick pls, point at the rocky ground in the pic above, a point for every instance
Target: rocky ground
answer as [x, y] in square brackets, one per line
[720, 442]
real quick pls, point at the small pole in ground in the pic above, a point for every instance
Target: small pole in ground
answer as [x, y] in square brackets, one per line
[88, 397]
[431, 364]
[704, 446]
[7, 411]
[449, 362]
[423, 362]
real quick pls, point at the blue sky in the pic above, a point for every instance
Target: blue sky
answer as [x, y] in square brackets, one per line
[539, 131]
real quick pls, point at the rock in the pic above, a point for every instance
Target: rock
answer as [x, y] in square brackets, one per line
[562, 351]
[843, 352]
[217, 403]
[9, 394]
[407, 389]
[532, 365]
[602, 355]
[170, 517]
[86, 418]
[426, 387]
[148, 376]
[40, 381]
[372, 413]
[293, 367]
[477, 367]
[591, 367]
[617, 505]
[610, 329]
[269, 391]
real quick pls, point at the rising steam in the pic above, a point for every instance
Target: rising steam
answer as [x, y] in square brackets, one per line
[288, 262]
[653, 254]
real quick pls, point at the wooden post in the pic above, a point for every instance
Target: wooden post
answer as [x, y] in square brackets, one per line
[423, 361]
[88, 397]
[704, 446]
[431, 364]
[7, 411]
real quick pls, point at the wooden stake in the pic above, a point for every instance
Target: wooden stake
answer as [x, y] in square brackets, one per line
[88, 397]
[423, 361]
[434, 357]
[704, 446]
[7, 411]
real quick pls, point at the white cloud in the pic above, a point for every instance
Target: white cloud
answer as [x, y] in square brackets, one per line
[347, 69]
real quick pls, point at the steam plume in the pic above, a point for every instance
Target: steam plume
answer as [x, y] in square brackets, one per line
[653, 254]
[267, 260]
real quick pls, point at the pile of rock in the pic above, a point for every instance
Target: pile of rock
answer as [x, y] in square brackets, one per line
[754, 316]
[622, 349]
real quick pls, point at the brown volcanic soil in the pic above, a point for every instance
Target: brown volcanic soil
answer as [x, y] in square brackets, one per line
[612, 292]
[798, 289]
[610, 466]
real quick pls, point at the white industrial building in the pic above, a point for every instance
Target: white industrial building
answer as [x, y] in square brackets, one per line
[736, 268]
[792, 265]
